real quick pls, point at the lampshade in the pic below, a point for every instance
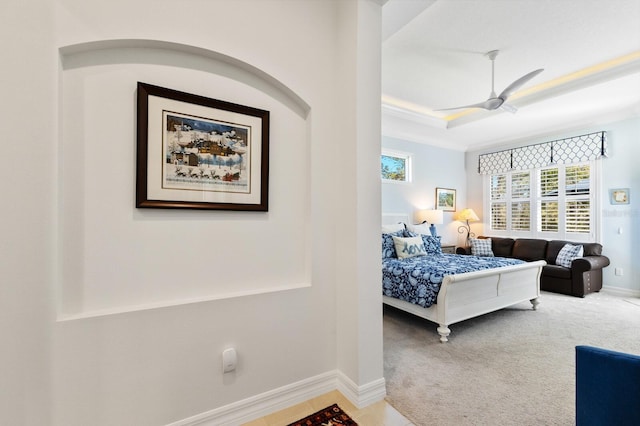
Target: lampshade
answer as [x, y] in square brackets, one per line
[429, 216]
[468, 215]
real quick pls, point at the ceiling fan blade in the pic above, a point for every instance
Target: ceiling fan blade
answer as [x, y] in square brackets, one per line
[518, 83]
[509, 108]
[478, 105]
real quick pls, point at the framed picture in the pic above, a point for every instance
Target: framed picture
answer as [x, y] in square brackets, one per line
[395, 166]
[200, 153]
[446, 199]
[619, 196]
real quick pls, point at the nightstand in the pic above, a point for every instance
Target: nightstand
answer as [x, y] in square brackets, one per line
[449, 248]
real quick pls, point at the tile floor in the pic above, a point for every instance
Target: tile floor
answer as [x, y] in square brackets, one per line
[378, 414]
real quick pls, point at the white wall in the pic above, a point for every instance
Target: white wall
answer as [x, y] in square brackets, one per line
[619, 170]
[432, 167]
[114, 258]
[358, 192]
[126, 347]
[27, 191]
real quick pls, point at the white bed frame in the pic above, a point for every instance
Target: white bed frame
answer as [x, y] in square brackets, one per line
[472, 294]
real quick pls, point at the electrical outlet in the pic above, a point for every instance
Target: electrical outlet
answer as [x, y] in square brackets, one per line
[618, 272]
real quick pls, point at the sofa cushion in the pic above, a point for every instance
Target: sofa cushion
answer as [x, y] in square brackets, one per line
[556, 271]
[529, 249]
[568, 254]
[481, 247]
[592, 249]
[554, 247]
[501, 247]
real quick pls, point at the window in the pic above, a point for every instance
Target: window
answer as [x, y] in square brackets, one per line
[498, 202]
[520, 201]
[511, 201]
[549, 202]
[578, 204]
[395, 166]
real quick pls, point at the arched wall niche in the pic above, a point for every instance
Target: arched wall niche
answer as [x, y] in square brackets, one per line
[114, 258]
[134, 51]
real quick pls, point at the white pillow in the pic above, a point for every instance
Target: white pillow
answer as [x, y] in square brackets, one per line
[481, 247]
[422, 228]
[409, 247]
[568, 254]
[388, 229]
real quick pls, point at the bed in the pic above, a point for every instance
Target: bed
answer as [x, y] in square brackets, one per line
[459, 292]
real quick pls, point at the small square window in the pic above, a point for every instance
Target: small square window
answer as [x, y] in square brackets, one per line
[395, 166]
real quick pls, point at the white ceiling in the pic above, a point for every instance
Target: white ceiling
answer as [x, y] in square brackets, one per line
[433, 57]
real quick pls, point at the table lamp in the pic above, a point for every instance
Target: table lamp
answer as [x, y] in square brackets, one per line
[467, 215]
[433, 217]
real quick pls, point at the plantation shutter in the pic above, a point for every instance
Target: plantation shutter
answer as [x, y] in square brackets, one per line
[578, 205]
[578, 216]
[520, 214]
[499, 216]
[549, 216]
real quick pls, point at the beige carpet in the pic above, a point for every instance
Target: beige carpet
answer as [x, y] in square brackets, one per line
[511, 367]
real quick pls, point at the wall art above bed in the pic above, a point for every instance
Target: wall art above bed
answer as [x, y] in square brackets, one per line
[446, 199]
[200, 153]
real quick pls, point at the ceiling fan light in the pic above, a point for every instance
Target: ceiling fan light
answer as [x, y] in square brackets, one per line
[509, 108]
[494, 103]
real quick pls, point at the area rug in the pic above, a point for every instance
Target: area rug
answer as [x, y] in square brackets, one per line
[330, 416]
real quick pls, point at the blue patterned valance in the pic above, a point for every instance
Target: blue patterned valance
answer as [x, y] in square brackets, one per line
[562, 151]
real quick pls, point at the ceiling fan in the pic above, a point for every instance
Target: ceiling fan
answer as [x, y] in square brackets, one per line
[495, 102]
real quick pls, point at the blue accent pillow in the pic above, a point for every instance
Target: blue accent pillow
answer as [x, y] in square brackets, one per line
[431, 244]
[388, 246]
[568, 254]
[481, 247]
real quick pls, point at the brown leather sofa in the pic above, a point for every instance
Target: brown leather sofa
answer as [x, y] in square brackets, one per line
[584, 276]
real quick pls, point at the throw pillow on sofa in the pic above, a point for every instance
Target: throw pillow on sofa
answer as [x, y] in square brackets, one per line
[568, 254]
[481, 247]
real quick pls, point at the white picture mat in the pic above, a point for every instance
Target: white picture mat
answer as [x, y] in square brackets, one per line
[155, 156]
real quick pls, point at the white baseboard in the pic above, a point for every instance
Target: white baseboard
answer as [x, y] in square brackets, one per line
[269, 402]
[621, 292]
[364, 395]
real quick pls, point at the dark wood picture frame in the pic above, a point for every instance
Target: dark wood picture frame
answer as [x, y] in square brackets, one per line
[195, 152]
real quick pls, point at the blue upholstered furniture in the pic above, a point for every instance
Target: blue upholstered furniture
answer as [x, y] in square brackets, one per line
[607, 387]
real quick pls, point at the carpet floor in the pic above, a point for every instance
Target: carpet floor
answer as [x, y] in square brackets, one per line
[515, 366]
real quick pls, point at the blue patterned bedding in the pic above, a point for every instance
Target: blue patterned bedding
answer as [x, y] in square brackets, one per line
[418, 279]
